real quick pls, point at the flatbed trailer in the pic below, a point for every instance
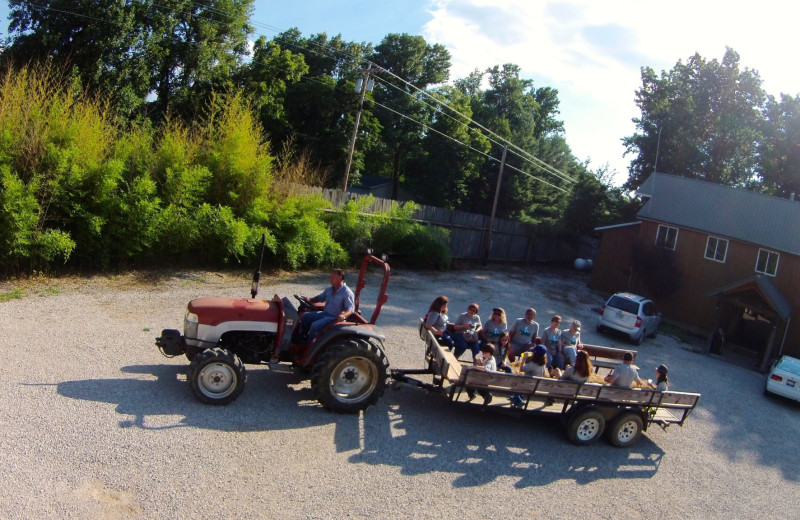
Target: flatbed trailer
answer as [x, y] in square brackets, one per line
[587, 409]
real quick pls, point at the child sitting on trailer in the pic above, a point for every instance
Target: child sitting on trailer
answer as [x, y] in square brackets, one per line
[484, 361]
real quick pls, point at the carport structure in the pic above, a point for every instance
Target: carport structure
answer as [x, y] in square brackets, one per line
[752, 319]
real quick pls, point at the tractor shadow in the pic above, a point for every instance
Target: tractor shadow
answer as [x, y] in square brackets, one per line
[165, 400]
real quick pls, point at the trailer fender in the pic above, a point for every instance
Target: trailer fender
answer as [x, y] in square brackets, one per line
[610, 411]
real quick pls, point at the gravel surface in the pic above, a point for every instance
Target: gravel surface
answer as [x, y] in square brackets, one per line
[95, 423]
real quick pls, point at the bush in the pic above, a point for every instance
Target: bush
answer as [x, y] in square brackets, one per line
[301, 237]
[235, 151]
[76, 187]
[221, 237]
[350, 227]
[409, 243]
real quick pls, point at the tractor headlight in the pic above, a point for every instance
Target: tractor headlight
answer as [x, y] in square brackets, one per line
[190, 325]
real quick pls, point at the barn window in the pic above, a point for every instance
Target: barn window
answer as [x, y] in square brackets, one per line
[716, 249]
[667, 237]
[767, 262]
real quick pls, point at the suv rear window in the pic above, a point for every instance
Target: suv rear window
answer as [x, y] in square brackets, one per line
[623, 304]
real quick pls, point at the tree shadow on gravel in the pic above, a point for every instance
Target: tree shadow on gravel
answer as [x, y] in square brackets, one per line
[421, 432]
[272, 400]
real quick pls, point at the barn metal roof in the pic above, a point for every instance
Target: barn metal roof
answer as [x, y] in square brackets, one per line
[735, 213]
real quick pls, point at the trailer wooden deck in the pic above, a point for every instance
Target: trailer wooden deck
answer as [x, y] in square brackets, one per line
[586, 406]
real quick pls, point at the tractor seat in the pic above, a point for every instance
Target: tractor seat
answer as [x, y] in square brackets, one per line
[357, 318]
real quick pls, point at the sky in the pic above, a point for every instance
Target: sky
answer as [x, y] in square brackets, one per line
[590, 51]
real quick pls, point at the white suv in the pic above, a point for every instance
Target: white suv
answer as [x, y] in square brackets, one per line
[630, 314]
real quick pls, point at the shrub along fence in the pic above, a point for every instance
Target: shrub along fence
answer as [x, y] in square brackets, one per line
[511, 241]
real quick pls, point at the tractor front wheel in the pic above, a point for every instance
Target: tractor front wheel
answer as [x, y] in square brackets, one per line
[216, 376]
[349, 376]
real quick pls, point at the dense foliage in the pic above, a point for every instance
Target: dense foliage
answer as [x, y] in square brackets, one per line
[125, 138]
[77, 189]
[712, 120]
[441, 144]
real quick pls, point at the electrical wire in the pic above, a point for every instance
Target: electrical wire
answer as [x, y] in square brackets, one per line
[555, 171]
[520, 152]
[494, 141]
[426, 127]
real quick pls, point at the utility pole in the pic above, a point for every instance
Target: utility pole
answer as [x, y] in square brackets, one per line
[494, 206]
[658, 148]
[364, 86]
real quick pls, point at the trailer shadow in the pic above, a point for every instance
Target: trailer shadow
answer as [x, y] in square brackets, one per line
[424, 433]
[414, 430]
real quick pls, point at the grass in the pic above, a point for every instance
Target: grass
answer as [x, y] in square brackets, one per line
[14, 294]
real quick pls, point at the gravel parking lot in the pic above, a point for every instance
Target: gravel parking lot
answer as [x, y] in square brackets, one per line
[95, 423]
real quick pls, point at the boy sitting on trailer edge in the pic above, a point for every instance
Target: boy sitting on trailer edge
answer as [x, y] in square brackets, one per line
[484, 361]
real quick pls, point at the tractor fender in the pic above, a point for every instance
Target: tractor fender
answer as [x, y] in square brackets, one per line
[337, 333]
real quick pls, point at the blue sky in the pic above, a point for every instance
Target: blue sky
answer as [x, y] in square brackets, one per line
[591, 51]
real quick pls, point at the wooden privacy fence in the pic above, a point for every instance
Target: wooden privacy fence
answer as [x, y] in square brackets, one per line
[511, 241]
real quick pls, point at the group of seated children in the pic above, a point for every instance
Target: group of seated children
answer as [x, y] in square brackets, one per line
[555, 353]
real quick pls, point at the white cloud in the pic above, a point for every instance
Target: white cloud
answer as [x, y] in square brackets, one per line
[592, 52]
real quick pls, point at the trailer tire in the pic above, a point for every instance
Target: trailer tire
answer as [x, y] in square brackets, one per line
[586, 426]
[349, 376]
[217, 376]
[625, 430]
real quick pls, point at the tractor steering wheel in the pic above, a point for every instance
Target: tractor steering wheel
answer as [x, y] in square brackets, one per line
[304, 303]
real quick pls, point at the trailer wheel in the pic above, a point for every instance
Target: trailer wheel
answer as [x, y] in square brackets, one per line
[216, 376]
[585, 427]
[625, 430]
[349, 376]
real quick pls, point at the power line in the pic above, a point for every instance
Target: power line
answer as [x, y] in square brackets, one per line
[466, 125]
[426, 127]
[544, 164]
[523, 154]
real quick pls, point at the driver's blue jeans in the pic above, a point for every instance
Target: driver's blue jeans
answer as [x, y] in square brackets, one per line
[313, 322]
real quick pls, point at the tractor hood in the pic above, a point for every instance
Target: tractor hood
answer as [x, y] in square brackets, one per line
[213, 311]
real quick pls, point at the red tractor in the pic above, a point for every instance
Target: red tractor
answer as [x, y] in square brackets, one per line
[346, 361]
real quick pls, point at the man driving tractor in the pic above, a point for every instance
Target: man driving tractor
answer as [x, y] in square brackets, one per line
[339, 305]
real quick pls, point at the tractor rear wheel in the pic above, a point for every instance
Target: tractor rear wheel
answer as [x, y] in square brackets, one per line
[216, 376]
[349, 376]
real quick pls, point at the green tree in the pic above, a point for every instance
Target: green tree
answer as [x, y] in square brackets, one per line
[320, 110]
[780, 147]
[452, 154]
[526, 116]
[594, 201]
[128, 49]
[266, 78]
[420, 65]
[702, 119]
